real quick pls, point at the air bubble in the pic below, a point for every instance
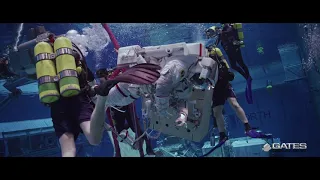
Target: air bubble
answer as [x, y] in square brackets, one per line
[312, 43]
[93, 39]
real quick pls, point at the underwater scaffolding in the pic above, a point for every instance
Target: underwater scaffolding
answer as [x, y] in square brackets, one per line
[29, 138]
[236, 147]
[288, 68]
[27, 90]
[241, 147]
[272, 72]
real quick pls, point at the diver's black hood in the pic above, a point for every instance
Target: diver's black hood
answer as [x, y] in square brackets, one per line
[100, 73]
[34, 32]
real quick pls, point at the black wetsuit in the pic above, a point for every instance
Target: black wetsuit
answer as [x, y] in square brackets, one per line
[222, 91]
[223, 88]
[4, 69]
[228, 36]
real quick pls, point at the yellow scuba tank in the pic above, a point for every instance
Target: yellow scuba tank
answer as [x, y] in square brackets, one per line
[46, 71]
[66, 67]
[217, 52]
[226, 63]
[238, 27]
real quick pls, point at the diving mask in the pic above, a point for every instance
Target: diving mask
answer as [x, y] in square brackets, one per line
[213, 32]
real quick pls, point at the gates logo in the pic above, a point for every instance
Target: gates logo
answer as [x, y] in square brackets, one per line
[284, 146]
[266, 148]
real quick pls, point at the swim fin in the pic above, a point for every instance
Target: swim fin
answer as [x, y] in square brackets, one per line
[141, 74]
[249, 91]
[256, 134]
[147, 66]
[246, 92]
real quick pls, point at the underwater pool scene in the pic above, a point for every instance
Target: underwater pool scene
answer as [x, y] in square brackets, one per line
[170, 93]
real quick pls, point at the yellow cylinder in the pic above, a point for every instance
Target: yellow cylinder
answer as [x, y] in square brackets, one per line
[66, 67]
[215, 51]
[79, 70]
[226, 63]
[238, 27]
[46, 71]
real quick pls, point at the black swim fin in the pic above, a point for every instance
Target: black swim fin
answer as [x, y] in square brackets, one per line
[141, 74]
[248, 91]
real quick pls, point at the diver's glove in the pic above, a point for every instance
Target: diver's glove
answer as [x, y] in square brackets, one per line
[104, 88]
[162, 105]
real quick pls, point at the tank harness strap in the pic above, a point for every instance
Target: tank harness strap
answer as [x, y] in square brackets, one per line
[46, 79]
[67, 72]
[45, 56]
[63, 51]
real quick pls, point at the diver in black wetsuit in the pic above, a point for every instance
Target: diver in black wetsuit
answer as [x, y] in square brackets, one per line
[9, 76]
[223, 92]
[123, 120]
[5, 72]
[231, 38]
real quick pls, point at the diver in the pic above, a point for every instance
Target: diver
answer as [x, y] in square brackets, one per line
[5, 71]
[66, 85]
[71, 115]
[231, 38]
[121, 115]
[223, 91]
[17, 65]
[67, 95]
[119, 89]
